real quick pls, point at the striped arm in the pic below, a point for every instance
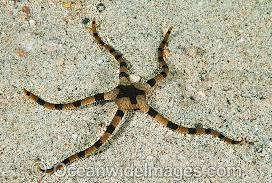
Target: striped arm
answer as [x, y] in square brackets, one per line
[123, 75]
[88, 152]
[183, 130]
[83, 102]
[157, 79]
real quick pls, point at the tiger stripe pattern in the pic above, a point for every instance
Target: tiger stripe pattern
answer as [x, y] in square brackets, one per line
[128, 97]
[90, 150]
[72, 105]
[160, 77]
[194, 131]
[123, 74]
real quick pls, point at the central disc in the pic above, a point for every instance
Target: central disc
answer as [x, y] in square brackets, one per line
[129, 91]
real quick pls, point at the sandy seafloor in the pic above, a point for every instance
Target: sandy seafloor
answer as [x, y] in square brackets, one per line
[220, 77]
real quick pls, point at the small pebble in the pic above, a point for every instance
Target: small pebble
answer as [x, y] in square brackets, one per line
[134, 78]
[26, 9]
[85, 21]
[74, 136]
[67, 5]
[32, 23]
[100, 7]
[21, 53]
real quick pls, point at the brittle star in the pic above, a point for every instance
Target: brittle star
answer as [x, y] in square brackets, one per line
[127, 96]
